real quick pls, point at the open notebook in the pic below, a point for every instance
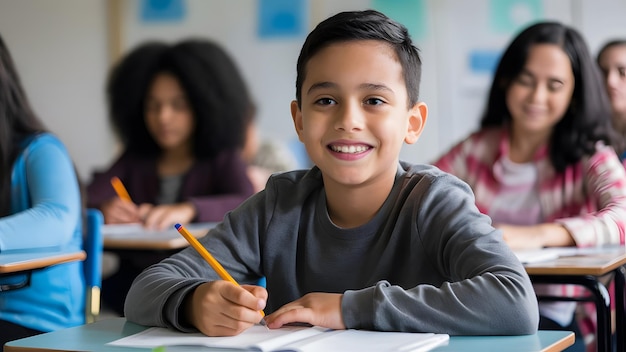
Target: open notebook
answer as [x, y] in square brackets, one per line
[530, 256]
[288, 338]
[137, 230]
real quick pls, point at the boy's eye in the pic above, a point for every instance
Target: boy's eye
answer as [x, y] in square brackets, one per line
[622, 71]
[374, 101]
[325, 101]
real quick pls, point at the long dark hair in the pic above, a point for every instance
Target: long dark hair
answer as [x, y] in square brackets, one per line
[17, 121]
[588, 118]
[216, 91]
[608, 45]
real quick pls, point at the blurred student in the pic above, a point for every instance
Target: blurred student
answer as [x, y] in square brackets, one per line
[612, 62]
[361, 240]
[264, 156]
[542, 165]
[40, 208]
[180, 111]
[271, 157]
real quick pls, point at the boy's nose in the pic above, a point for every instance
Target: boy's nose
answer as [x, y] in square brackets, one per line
[350, 117]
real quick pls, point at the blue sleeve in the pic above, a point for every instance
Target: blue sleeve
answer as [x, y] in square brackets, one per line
[52, 184]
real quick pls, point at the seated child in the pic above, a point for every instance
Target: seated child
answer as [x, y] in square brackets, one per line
[40, 209]
[362, 240]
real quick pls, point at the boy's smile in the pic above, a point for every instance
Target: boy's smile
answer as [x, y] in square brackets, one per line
[354, 115]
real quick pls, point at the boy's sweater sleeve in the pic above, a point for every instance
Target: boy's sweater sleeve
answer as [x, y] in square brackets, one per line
[486, 291]
[157, 294]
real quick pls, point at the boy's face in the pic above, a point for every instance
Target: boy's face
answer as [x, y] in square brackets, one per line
[353, 117]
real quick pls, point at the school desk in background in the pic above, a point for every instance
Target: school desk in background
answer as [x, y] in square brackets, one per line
[136, 237]
[585, 267]
[25, 262]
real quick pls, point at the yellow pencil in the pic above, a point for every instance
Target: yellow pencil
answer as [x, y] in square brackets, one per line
[209, 258]
[120, 189]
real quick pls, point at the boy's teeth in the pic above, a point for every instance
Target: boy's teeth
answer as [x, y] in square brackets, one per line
[349, 149]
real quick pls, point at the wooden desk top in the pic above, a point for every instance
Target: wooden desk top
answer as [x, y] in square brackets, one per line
[11, 263]
[94, 337]
[135, 237]
[588, 261]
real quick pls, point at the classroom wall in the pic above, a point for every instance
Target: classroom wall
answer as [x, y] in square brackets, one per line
[60, 50]
[63, 51]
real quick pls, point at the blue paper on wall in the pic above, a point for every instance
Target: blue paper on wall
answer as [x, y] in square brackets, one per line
[508, 16]
[163, 10]
[281, 18]
[484, 61]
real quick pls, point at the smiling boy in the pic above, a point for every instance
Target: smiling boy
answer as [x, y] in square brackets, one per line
[361, 240]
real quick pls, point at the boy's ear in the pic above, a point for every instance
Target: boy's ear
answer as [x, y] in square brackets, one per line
[296, 114]
[417, 120]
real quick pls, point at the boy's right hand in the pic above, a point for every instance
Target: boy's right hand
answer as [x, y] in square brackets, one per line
[118, 211]
[221, 308]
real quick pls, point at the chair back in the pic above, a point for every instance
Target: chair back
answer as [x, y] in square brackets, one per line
[92, 266]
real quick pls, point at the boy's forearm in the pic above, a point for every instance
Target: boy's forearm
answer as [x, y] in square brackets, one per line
[455, 308]
[159, 298]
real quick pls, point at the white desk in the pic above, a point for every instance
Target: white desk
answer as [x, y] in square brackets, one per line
[135, 237]
[585, 267]
[26, 262]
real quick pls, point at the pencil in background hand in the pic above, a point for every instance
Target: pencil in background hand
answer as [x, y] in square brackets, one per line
[209, 258]
[120, 189]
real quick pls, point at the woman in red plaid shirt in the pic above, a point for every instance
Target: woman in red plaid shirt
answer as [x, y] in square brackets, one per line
[543, 164]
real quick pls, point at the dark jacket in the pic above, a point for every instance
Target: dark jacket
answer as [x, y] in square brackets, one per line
[215, 186]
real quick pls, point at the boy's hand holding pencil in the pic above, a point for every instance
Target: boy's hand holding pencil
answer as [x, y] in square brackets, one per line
[214, 308]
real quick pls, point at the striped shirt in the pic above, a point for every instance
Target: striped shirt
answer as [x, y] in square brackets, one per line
[588, 198]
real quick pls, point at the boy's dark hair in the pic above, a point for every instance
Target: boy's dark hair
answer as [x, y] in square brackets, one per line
[215, 89]
[363, 25]
[609, 45]
[588, 117]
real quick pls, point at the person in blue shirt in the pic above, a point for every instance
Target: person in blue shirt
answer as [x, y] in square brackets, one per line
[40, 209]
